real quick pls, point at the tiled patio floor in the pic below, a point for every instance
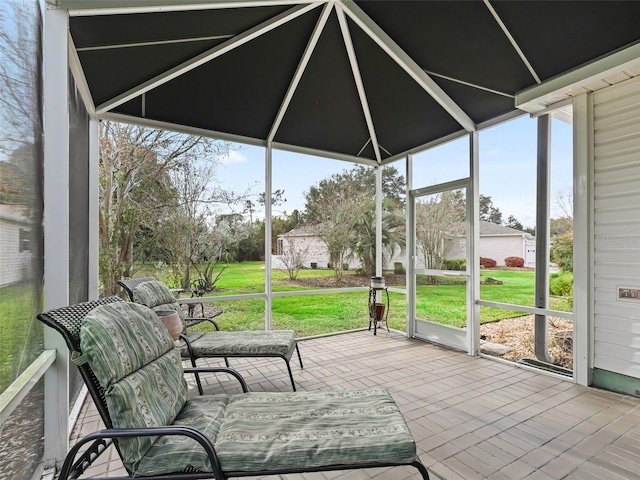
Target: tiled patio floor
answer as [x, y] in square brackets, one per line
[471, 418]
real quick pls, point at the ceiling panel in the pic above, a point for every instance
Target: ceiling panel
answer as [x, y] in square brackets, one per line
[459, 44]
[241, 91]
[325, 111]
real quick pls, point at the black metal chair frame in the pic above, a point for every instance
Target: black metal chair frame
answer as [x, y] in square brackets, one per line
[67, 321]
[129, 285]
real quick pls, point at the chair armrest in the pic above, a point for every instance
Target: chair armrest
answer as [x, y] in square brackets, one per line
[192, 321]
[107, 435]
[230, 371]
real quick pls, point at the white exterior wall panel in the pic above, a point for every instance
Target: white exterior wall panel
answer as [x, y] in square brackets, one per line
[617, 227]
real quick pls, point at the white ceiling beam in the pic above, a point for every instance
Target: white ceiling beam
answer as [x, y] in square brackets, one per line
[207, 56]
[407, 63]
[78, 75]
[513, 41]
[304, 61]
[355, 68]
[157, 42]
[469, 84]
[80, 8]
[258, 142]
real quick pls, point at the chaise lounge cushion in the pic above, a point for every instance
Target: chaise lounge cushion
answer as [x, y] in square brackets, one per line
[134, 359]
[279, 431]
[271, 343]
[137, 364]
[276, 431]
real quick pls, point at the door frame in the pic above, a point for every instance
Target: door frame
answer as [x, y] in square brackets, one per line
[468, 339]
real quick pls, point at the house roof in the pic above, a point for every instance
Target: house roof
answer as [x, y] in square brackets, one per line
[493, 229]
[14, 213]
[366, 81]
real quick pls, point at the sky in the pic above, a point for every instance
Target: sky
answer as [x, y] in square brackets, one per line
[507, 168]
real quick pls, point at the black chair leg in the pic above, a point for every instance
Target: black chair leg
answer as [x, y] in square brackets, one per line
[299, 357]
[422, 469]
[293, 384]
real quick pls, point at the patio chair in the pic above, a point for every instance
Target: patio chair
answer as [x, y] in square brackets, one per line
[135, 377]
[217, 344]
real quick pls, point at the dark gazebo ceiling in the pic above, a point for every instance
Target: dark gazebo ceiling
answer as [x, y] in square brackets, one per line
[365, 79]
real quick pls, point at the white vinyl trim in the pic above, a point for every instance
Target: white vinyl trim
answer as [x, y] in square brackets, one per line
[582, 238]
[21, 386]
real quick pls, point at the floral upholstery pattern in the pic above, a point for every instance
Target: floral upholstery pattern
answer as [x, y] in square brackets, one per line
[136, 362]
[271, 431]
[275, 342]
[172, 453]
[134, 359]
[157, 296]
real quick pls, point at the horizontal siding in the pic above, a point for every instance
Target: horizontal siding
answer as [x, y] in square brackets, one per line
[625, 326]
[617, 227]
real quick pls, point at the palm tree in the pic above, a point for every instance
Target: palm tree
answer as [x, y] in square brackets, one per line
[393, 234]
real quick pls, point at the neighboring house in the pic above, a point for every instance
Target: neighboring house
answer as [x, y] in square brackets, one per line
[499, 242]
[304, 240]
[496, 242]
[15, 244]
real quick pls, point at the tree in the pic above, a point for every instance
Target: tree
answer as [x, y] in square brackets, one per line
[561, 252]
[358, 179]
[138, 168]
[350, 195]
[339, 215]
[438, 220]
[513, 222]
[293, 257]
[488, 212]
[564, 202]
[393, 234]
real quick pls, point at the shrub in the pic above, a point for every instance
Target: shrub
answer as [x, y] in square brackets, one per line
[514, 262]
[459, 264]
[561, 252]
[345, 266]
[487, 262]
[314, 265]
[561, 284]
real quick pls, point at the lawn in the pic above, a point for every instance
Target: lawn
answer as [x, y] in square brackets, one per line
[21, 334]
[320, 314]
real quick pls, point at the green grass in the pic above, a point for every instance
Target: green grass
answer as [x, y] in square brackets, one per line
[21, 334]
[319, 314]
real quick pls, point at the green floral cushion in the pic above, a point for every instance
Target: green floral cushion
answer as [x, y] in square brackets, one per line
[276, 342]
[135, 360]
[270, 431]
[157, 296]
[175, 453]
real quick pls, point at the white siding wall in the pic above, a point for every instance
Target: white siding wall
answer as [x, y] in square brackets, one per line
[500, 248]
[14, 263]
[617, 227]
[495, 247]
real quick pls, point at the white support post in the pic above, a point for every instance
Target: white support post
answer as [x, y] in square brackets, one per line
[56, 226]
[410, 279]
[268, 169]
[541, 326]
[379, 197]
[94, 192]
[582, 238]
[473, 244]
